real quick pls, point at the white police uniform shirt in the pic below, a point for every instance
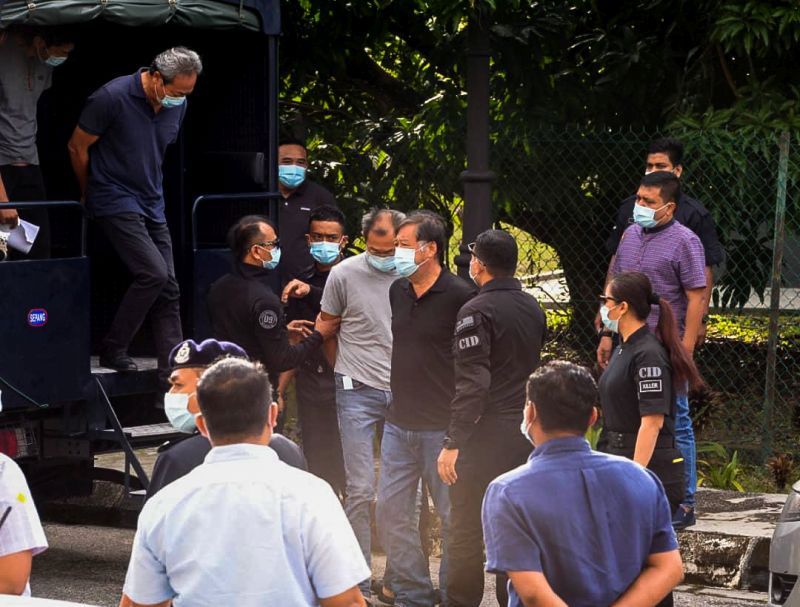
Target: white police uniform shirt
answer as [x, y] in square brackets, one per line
[243, 529]
[22, 529]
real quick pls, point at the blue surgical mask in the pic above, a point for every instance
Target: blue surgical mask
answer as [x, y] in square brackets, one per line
[325, 252]
[55, 61]
[404, 260]
[172, 102]
[176, 406]
[382, 264]
[611, 325]
[272, 263]
[645, 216]
[291, 175]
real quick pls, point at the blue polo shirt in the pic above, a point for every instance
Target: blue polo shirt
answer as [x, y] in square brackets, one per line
[125, 163]
[587, 520]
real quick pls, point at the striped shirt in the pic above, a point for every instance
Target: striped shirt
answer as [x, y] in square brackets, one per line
[22, 529]
[672, 257]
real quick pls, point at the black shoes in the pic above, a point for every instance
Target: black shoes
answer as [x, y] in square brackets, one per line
[119, 361]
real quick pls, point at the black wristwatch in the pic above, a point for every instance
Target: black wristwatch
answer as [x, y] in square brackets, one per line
[604, 333]
[449, 443]
[704, 320]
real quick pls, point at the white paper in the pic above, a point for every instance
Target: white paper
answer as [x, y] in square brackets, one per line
[23, 236]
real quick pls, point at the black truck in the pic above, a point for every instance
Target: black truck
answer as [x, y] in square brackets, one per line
[58, 407]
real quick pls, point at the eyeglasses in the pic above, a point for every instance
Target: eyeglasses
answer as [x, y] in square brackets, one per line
[269, 244]
[471, 248]
[605, 298]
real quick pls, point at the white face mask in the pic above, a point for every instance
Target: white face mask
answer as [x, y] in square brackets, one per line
[176, 406]
[524, 428]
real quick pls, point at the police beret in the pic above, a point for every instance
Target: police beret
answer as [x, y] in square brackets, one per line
[191, 354]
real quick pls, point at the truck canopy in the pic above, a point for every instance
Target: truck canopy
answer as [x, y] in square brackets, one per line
[256, 15]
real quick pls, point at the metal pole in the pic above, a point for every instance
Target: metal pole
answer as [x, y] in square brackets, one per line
[775, 295]
[271, 110]
[477, 179]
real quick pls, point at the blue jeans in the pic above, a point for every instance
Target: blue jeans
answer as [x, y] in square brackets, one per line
[360, 410]
[684, 440]
[406, 457]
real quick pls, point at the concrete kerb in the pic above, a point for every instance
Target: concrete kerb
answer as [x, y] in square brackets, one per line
[729, 545]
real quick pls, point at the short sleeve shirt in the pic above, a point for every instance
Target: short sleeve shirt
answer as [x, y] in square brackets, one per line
[690, 213]
[22, 529]
[671, 256]
[586, 520]
[23, 79]
[637, 382]
[360, 295]
[125, 163]
[243, 529]
[423, 365]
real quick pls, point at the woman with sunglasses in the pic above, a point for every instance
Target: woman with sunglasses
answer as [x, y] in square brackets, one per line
[644, 372]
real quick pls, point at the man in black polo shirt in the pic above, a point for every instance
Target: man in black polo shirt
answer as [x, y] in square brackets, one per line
[498, 338]
[424, 309]
[123, 134]
[314, 382]
[301, 197]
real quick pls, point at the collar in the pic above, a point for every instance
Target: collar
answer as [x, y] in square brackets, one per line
[637, 335]
[240, 451]
[502, 284]
[136, 89]
[436, 287]
[658, 229]
[299, 190]
[245, 270]
[569, 444]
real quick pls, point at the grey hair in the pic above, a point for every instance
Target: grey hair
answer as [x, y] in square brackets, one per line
[372, 216]
[176, 61]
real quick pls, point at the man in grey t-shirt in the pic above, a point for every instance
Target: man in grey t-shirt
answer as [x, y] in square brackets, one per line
[27, 59]
[357, 292]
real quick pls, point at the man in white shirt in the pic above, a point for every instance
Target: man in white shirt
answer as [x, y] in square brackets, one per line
[21, 533]
[243, 528]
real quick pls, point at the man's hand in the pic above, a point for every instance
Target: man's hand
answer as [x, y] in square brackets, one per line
[447, 466]
[328, 325]
[295, 288]
[701, 335]
[9, 217]
[604, 351]
[299, 329]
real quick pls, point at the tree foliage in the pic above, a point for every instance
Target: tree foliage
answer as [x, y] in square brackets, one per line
[380, 87]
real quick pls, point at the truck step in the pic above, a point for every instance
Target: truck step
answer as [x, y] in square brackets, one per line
[149, 434]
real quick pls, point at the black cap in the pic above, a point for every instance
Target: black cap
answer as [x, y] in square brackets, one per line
[189, 353]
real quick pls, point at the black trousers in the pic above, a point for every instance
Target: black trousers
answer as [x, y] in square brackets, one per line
[25, 184]
[496, 446]
[145, 247]
[319, 427]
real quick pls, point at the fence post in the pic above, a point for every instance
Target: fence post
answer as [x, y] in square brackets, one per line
[775, 295]
[477, 179]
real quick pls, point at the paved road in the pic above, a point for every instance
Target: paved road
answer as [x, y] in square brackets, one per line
[87, 564]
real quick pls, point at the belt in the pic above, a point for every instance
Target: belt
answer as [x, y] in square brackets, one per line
[627, 440]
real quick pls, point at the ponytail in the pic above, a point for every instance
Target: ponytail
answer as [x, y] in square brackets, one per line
[684, 370]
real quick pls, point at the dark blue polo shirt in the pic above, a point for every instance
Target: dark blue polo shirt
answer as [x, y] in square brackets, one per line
[125, 164]
[587, 520]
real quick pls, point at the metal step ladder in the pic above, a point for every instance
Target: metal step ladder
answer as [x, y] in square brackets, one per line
[105, 423]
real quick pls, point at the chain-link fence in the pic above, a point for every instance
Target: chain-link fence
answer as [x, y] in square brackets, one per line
[562, 189]
[558, 191]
